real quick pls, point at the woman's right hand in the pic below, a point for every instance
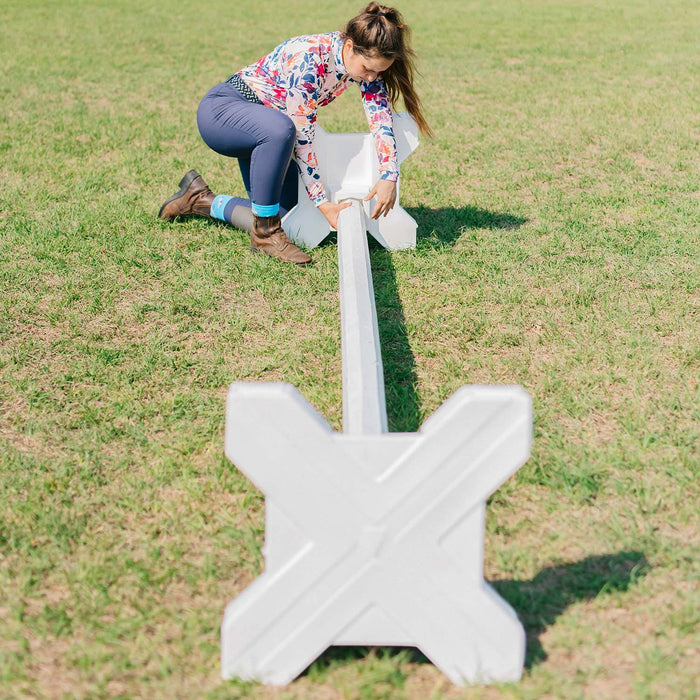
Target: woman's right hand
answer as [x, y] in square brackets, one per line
[331, 211]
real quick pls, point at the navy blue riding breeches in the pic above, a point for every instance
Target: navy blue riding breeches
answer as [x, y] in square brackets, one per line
[261, 138]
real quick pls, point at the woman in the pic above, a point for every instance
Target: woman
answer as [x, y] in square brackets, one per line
[266, 113]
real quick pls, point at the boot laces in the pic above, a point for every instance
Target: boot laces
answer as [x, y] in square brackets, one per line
[281, 237]
[284, 239]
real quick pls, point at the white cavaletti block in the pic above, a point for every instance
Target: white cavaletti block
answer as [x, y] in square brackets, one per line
[372, 538]
[349, 168]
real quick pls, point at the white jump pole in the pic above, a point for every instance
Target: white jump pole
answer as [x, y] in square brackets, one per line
[371, 537]
[364, 403]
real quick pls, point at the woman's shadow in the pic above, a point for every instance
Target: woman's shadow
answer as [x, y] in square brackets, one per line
[538, 603]
[437, 228]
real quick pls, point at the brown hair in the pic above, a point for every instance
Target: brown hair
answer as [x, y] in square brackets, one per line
[380, 30]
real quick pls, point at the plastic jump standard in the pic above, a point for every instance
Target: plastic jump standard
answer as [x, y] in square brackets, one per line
[372, 538]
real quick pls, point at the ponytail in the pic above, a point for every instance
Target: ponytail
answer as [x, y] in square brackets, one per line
[380, 30]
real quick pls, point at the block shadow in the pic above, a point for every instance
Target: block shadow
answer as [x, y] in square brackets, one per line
[438, 228]
[538, 603]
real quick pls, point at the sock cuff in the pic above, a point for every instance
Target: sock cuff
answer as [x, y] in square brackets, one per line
[265, 209]
[216, 211]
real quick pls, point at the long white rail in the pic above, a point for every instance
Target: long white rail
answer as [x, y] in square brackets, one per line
[364, 402]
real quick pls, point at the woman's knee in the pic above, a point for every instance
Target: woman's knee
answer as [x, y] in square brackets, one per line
[283, 133]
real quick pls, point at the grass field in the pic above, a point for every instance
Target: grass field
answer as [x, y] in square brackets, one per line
[558, 249]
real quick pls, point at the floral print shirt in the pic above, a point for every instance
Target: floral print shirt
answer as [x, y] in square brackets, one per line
[305, 73]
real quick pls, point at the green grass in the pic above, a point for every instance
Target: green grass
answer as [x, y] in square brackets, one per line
[558, 250]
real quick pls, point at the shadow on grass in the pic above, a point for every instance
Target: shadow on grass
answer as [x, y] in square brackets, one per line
[442, 227]
[400, 380]
[538, 603]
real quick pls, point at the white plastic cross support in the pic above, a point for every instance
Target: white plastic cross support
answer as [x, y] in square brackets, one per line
[348, 167]
[374, 539]
[364, 404]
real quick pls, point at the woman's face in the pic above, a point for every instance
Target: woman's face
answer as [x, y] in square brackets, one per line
[361, 67]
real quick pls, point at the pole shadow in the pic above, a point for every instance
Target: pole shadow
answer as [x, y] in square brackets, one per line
[400, 380]
[437, 228]
[538, 603]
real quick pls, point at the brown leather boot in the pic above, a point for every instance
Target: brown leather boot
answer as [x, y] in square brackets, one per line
[269, 237]
[194, 198]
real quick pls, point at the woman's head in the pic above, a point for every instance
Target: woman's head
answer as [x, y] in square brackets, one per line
[377, 44]
[377, 31]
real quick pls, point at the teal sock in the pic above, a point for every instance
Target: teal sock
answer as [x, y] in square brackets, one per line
[218, 207]
[265, 209]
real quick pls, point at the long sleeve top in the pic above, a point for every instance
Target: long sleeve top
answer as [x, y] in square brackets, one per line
[305, 73]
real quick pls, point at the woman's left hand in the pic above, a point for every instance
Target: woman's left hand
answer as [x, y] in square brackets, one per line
[385, 192]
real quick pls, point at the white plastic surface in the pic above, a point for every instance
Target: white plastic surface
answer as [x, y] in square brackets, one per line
[374, 540]
[364, 405]
[349, 168]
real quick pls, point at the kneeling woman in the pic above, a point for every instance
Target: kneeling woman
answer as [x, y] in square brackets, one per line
[266, 113]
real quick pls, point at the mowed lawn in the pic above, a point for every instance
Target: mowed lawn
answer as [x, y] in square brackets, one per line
[558, 250]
